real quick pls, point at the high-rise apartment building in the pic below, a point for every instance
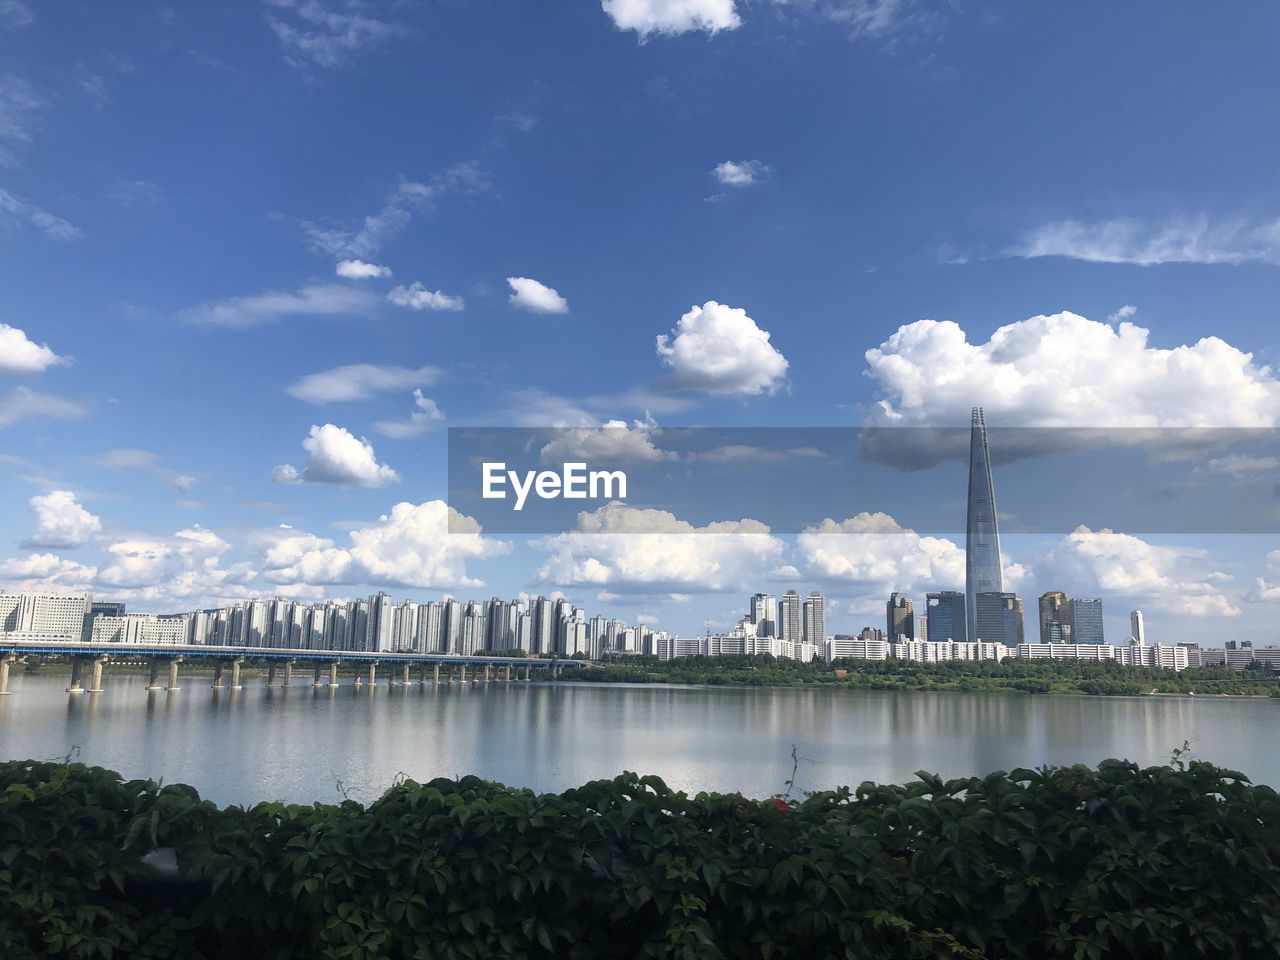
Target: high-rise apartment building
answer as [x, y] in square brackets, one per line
[947, 617]
[790, 617]
[1055, 617]
[983, 572]
[764, 614]
[900, 618]
[999, 618]
[814, 627]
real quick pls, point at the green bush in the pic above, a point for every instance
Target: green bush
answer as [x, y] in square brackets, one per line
[1179, 861]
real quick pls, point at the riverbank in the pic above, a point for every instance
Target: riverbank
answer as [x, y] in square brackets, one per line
[984, 676]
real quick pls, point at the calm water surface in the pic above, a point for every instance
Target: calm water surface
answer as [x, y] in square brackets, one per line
[296, 744]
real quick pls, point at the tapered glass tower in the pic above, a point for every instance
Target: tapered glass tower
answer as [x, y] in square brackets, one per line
[982, 534]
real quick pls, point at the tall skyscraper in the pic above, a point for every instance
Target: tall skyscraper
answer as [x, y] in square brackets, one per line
[789, 617]
[946, 613]
[1086, 620]
[1138, 627]
[1055, 617]
[899, 618]
[999, 618]
[982, 572]
[815, 619]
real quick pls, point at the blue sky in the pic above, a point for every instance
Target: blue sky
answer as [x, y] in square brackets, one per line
[179, 184]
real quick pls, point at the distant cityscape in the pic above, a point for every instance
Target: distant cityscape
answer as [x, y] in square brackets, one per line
[983, 623]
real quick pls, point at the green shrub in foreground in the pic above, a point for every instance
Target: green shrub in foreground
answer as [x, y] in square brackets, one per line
[1179, 861]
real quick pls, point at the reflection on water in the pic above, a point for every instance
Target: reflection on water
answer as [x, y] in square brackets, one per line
[297, 744]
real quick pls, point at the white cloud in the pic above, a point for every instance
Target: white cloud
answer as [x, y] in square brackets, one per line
[1066, 371]
[61, 522]
[612, 442]
[185, 569]
[425, 545]
[671, 17]
[20, 354]
[536, 297]
[48, 571]
[418, 297]
[134, 193]
[1143, 243]
[1240, 465]
[359, 381]
[18, 108]
[410, 197]
[320, 300]
[1105, 563]
[326, 34]
[629, 550]
[740, 173]
[125, 458]
[872, 550]
[359, 270]
[24, 211]
[719, 349]
[23, 404]
[336, 455]
[1124, 313]
[14, 13]
[425, 416]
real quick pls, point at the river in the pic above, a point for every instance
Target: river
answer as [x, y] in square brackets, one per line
[304, 744]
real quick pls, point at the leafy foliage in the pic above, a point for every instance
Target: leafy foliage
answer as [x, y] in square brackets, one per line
[1072, 862]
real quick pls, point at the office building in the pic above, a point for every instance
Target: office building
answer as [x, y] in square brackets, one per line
[814, 627]
[1086, 620]
[1055, 617]
[947, 618]
[999, 618]
[983, 573]
[900, 618]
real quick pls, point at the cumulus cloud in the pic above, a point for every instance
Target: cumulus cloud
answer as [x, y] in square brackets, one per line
[740, 173]
[613, 442]
[184, 569]
[21, 354]
[528, 294]
[23, 404]
[425, 416]
[359, 270]
[54, 227]
[632, 550]
[337, 456]
[720, 350]
[47, 571]
[320, 300]
[1105, 563]
[417, 297]
[647, 17]
[1066, 371]
[359, 381]
[1143, 243]
[61, 522]
[421, 545]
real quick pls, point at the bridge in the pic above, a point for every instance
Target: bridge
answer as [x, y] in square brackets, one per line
[280, 662]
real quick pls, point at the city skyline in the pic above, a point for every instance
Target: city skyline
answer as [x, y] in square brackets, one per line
[228, 372]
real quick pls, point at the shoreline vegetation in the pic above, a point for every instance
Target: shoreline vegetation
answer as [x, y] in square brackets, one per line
[1070, 677]
[1008, 676]
[1070, 862]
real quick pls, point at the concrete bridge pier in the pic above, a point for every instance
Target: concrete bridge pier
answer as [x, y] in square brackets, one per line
[462, 673]
[235, 672]
[153, 682]
[173, 674]
[95, 681]
[271, 674]
[288, 672]
[4, 673]
[77, 664]
[373, 673]
[316, 681]
[527, 671]
[404, 675]
[217, 675]
[333, 673]
[435, 674]
[506, 673]
[487, 673]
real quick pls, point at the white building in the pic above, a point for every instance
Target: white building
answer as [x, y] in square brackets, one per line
[44, 616]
